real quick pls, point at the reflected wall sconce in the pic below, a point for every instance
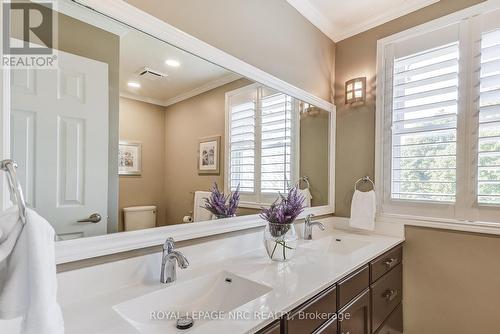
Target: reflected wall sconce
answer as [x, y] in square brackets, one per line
[355, 90]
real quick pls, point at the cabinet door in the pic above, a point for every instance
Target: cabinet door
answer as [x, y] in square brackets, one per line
[354, 318]
[274, 328]
[386, 295]
[314, 313]
[329, 327]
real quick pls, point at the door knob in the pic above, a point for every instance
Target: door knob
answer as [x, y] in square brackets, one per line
[93, 218]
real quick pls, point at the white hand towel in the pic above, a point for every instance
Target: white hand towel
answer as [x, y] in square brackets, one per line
[28, 283]
[363, 208]
[307, 197]
[199, 212]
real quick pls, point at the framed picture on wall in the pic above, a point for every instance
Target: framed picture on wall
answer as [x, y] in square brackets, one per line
[129, 158]
[209, 155]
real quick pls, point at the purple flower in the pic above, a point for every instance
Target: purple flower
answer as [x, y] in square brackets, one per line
[285, 209]
[216, 203]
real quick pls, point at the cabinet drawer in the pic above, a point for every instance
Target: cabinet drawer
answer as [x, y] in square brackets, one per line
[352, 286]
[386, 262]
[330, 327]
[354, 318]
[310, 316]
[393, 324]
[386, 295]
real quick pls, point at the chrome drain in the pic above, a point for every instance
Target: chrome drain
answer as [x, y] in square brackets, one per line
[184, 322]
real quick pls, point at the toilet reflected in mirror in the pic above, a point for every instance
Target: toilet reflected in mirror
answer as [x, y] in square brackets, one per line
[139, 217]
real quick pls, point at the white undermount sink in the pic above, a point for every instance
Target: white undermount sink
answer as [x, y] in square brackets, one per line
[336, 245]
[219, 292]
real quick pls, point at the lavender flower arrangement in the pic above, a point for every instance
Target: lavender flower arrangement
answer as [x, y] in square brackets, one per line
[286, 210]
[281, 215]
[220, 205]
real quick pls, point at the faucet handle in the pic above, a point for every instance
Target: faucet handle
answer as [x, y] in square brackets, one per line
[308, 217]
[169, 245]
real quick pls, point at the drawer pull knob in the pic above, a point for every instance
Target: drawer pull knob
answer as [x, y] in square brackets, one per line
[348, 332]
[389, 263]
[389, 295]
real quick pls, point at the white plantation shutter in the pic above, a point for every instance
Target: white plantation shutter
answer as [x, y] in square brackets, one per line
[260, 143]
[242, 142]
[439, 121]
[488, 187]
[276, 134]
[424, 125]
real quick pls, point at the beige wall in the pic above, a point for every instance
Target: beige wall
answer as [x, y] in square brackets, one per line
[356, 57]
[314, 138]
[270, 35]
[185, 123]
[145, 123]
[451, 282]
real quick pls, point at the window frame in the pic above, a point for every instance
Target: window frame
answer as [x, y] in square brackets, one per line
[257, 199]
[470, 23]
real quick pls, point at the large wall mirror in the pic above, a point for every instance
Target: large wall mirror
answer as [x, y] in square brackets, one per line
[131, 133]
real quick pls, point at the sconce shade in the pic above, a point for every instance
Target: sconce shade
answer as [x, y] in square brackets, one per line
[355, 90]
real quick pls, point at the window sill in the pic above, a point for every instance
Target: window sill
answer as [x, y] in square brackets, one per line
[441, 223]
[253, 205]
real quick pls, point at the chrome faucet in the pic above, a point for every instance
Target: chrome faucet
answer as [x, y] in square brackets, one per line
[169, 259]
[308, 226]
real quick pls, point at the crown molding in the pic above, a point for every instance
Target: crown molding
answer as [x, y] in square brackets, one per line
[202, 89]
[336, 34]
[313, 15]
[388, 16]
[184, 96]
[149, 100]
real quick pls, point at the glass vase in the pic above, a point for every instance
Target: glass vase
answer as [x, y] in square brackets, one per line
[280, 241]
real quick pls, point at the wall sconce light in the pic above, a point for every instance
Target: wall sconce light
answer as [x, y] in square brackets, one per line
[355, 90]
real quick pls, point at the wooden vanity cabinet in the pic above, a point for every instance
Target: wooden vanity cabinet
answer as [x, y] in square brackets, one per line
[351, 286]
[386, 278]
[274, 328]
[313, 314]
[394, 323]
[386, 295]
[354, 318]
[367, 301]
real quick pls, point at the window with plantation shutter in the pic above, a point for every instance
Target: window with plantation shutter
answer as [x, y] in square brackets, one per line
[242, 145]
[488, 188]
[424, 125]
[276, 124]
[260, 143]
[438, 120]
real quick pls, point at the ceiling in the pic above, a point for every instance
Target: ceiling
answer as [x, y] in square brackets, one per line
[340, 19]
[194, 75]
[139, 50]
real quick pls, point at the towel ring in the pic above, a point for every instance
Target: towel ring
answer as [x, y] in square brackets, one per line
[364, 179]
[10, 166]
[304, 179]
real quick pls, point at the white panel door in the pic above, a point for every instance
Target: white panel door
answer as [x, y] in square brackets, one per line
[59, 137]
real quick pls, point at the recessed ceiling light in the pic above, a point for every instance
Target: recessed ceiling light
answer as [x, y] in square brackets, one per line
[172, 62]
[134, 84]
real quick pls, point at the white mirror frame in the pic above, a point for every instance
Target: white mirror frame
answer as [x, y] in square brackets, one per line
[85, 248]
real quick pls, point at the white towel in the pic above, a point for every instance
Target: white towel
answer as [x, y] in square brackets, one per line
[363, 208]
[28, 284]
[199, 212]
[307, 197]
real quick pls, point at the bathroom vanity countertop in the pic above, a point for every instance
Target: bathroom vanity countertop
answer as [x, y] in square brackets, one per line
[292, 283]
